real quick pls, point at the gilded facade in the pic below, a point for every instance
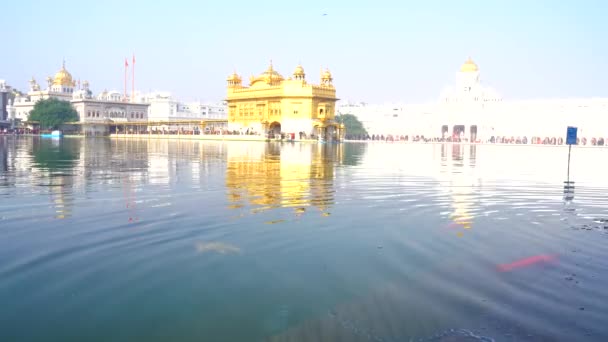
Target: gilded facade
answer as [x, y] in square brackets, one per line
[273, 105]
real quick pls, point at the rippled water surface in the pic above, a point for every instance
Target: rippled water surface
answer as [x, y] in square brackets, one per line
[123, 240]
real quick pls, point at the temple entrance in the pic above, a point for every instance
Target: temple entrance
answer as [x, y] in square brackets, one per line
[473, 133]
[458, 131]
[274, 129]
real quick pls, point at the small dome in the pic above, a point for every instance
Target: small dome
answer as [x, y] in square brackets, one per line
[299, 71]
[234, 77]
[469, 66]
[326, 75]
[63, 78]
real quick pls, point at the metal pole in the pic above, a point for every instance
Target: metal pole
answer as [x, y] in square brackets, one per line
[133, 80]
[568, 176]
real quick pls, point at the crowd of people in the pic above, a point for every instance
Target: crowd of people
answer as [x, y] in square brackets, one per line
[584, 141]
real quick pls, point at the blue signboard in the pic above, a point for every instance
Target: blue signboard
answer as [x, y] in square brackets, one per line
[571, 136]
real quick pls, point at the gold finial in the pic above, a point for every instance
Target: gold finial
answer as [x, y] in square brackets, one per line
[469, 66]
[63, 64]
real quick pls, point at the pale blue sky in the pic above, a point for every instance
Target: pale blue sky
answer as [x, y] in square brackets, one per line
[378, 51]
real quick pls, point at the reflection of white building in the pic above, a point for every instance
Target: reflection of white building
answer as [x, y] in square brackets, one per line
[459, 177]
[472, 111]
[96, 114]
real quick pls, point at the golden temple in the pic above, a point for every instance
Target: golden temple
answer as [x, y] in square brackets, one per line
[273, 105]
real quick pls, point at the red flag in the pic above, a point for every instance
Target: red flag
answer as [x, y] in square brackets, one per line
[133, 59]
[126, 63]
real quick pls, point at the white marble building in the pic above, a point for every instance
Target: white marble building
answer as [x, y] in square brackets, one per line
[108, 112]
[165, 108]
[471, 111]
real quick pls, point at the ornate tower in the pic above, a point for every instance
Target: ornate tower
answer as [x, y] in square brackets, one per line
[234, 80]
[34, 85]
[326, 78]
[299, 74]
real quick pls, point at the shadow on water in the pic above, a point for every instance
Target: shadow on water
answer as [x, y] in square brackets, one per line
[3, 154]
[55, 154]
[352, 153]
[56, 160]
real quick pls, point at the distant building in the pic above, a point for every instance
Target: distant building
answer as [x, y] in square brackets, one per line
[272, 104]
[108, 112]
[4, 91]
[165, 108]
[472, 111]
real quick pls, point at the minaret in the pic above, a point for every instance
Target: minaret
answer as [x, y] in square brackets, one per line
[326, 78]
[299, 74]
[234, 80]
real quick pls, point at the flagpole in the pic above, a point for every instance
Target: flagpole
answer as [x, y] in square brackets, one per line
[133, 79]
[126, 67]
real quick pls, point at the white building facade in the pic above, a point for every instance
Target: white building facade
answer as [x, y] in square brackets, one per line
[165, 108]
[109, 112]
[471, 111]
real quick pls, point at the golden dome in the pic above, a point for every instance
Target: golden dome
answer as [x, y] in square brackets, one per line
[299, 71]
[270, 76]
[63, 78]
[469, 66]
[326, 74]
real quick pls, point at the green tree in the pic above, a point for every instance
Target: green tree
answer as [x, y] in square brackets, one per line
[352, 124]
[52, 113]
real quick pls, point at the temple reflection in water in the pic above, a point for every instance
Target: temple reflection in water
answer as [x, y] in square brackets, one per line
[458, 176]
[266, 176]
